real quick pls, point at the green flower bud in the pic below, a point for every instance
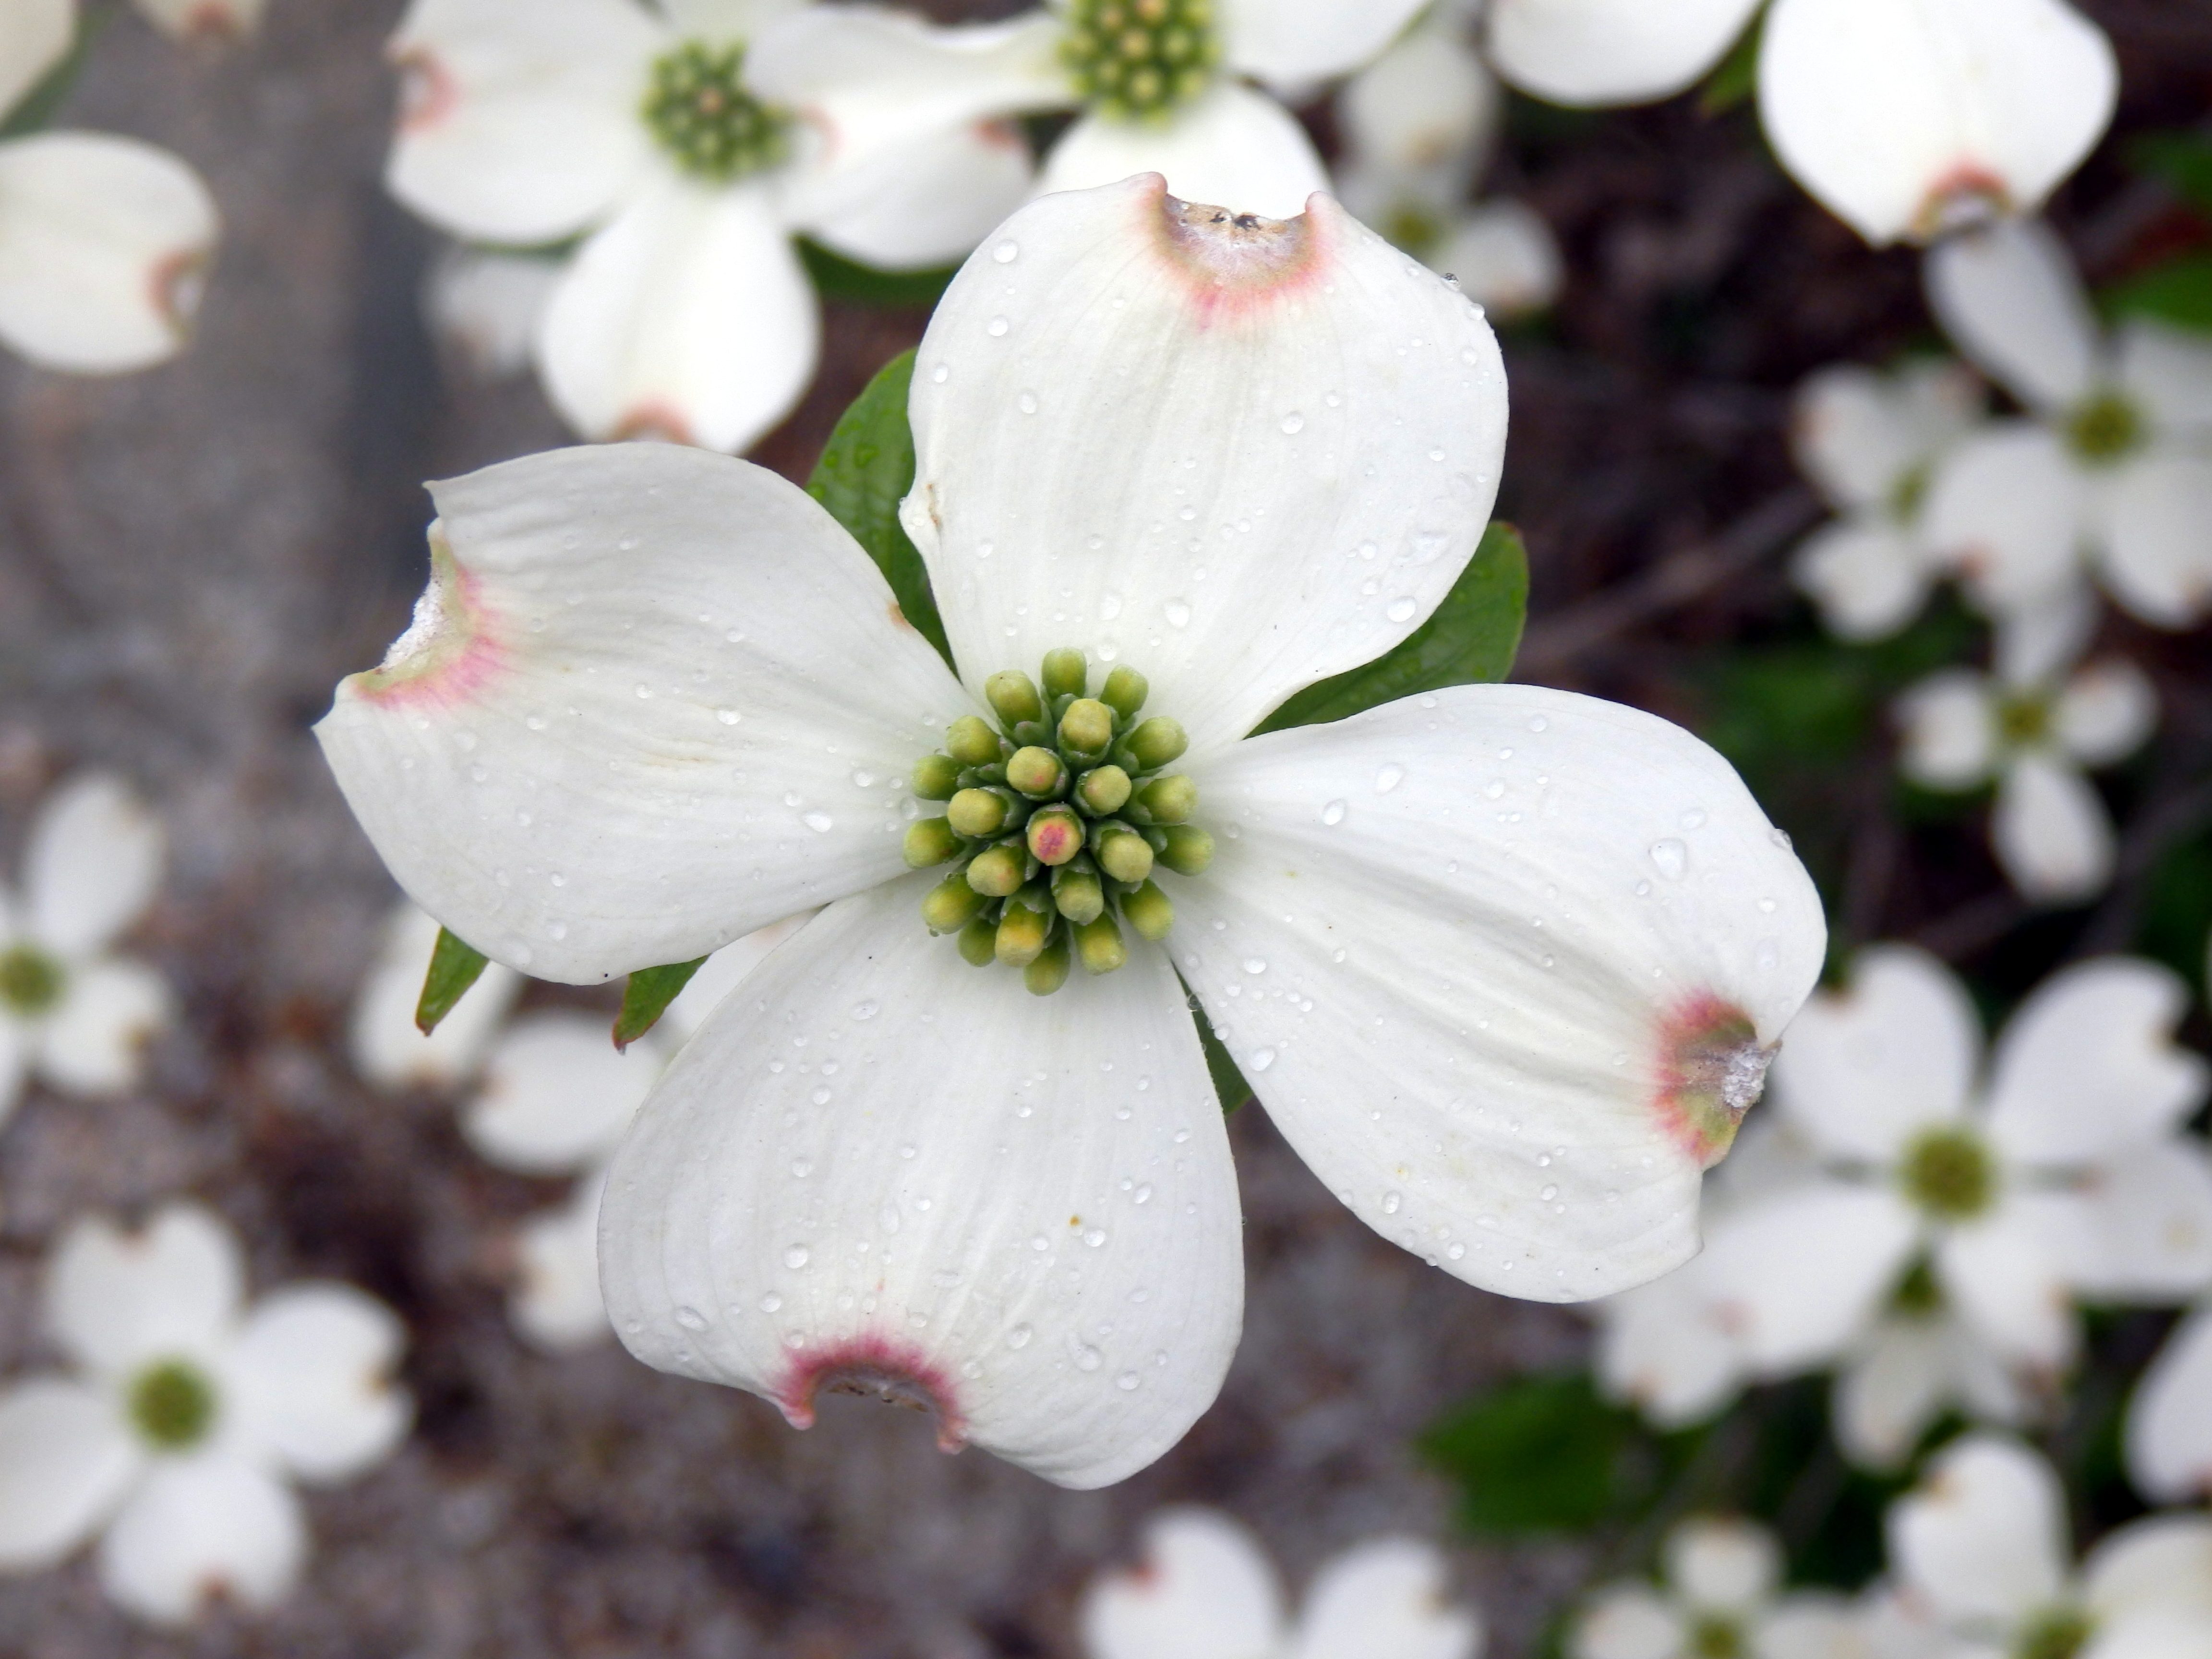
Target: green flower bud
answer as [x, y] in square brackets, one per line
[951, 905]
[1055, 836]
[1078, 894]
[1169, 800]
[1098, 945]
[977, 813]
[1066, 673]
[970, 741]
[1123, 854]
[1087, 726]
[1037, 773]
[1157, 742]
[1188, 849]
[998, 871]
[1126, 691]
[1103, 790]
[1049, 971]
[1013, 696]
[978, 942]
[930, 840]
[1150, 911]
[937, 777]
[1023, 934]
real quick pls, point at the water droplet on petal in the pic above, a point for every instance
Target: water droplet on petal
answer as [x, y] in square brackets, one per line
[1400, 610]
[1260, 1059]
[770, 1303]
[820, 821]
[692, 1319]
[1671, 857]
[1393, 1202]
[1008, 252]
[997, 327]
[1177, 612]
[1293, 423]
[1019, 1336]
[1088, 1359]
[1333, 814]
[1389, 778]
[797, 1256]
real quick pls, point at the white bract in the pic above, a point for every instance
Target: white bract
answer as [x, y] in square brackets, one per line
[1418, 126]
[105, 241]
[1206, 1590]
[486, 304]
[685, 146]
[1870, 441]
[1904, 118]
[187, 1416]
[1979, 1553]
[388, 1048]
[2002, 1198]
[1505, 965]
[1723, 1596]
[2169, 1434]
[72, 1013]
[2035, 725]
[2109, 472]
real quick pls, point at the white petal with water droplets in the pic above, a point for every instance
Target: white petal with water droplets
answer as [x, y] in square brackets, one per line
[1204, 1590]
[1611, 52]
[1984, 1536]
[1230, 147]
[116, 1300]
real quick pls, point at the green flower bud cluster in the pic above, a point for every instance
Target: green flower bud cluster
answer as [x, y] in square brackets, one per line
[1055, 820]
[1140, 58]
[697, 107]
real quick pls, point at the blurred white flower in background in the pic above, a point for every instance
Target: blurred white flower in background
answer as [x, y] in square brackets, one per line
[2035, 725]
[2061, 1174]
[1723, 1596]
[485, 305]
[1869, 440]
[1417, 127]
[1904, 118]
[105, 241]
[1980, 1558]
[1204, 1589]
[1076, 393]
[685, 147]
[187, 1416]
[193, 20]
[72, 1014]
[2109, 472]
[2169, 1431]
[388, 1048]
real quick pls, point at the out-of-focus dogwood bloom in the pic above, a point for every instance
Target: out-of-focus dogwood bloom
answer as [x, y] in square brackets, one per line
[187, 1416]
[388, 1050]
[1206, 1590]
[1870, 441]
[1904, 118]
[2110, 469]
[685, 147]
[2169, 1433]
[105, 241]
[486, 304]
[1723, 1595]
[1980, 1557]
[73, 1014]
[2035, 725]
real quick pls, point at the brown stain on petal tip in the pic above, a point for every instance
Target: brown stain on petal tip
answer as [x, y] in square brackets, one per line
[1239, 265]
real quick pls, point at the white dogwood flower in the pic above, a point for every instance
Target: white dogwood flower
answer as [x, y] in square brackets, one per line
[1505, 963]
[2109, 471]
[2061, 1174]
[1205, 1591]
[2169, 1433]
[188, 1416]
[1418, 126]
[72, 1013]
[105, 241]
[1723, 1596]
[2035, 725]
[1904, 118]
[1980, 1554]
[1870, 441]
[685, 150]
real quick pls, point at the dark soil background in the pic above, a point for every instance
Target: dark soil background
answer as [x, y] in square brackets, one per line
[190, 558]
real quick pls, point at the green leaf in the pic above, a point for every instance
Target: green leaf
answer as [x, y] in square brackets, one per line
[1737, 76]
[2183, 160]
[1470, 641]
[646, 996]
[2177, 291]
[1539, 1454]
[454, 967]
[1229, 1083]
[836, 277]
[865, 470]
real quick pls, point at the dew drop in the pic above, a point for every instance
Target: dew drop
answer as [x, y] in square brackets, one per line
[797, 1256]
[1671, 857]
[1293, 423]
[770, 1303]
[1177, 612]
[1027, 403]
[692, 1319]
[1393, 1202]
[1129, 1381]
[1008, 252]
[1019, 1336]
[1260, 1059]
[1548, 1193]
[1400, 610]
[1333, 814]
[1692, 819]
[1779, 837]
[1389, 778]
[1088, 1359]
[996, 327]
[941, 374]
[728, 716]
[819, 822]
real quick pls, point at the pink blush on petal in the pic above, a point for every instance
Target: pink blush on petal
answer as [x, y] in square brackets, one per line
[891, 1369]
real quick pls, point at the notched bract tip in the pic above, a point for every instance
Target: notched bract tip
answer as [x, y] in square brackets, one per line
[1236, 257]
[1712, 1071]
[893, 1372]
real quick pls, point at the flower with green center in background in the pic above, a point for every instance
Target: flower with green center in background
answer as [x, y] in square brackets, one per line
[1720, 1598]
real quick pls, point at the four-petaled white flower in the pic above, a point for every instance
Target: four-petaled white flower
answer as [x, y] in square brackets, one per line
[685, 146]
[1722, 1597]
[2110, 469]
[1870, 441]
[1979, 1554]
[1206, 1590]
[1504, 963]
[105, 241]
[72, 1014]
[2035, 725]
[2063, 1174]
[1418, 125]
[190, 1416]
[1904, 118]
